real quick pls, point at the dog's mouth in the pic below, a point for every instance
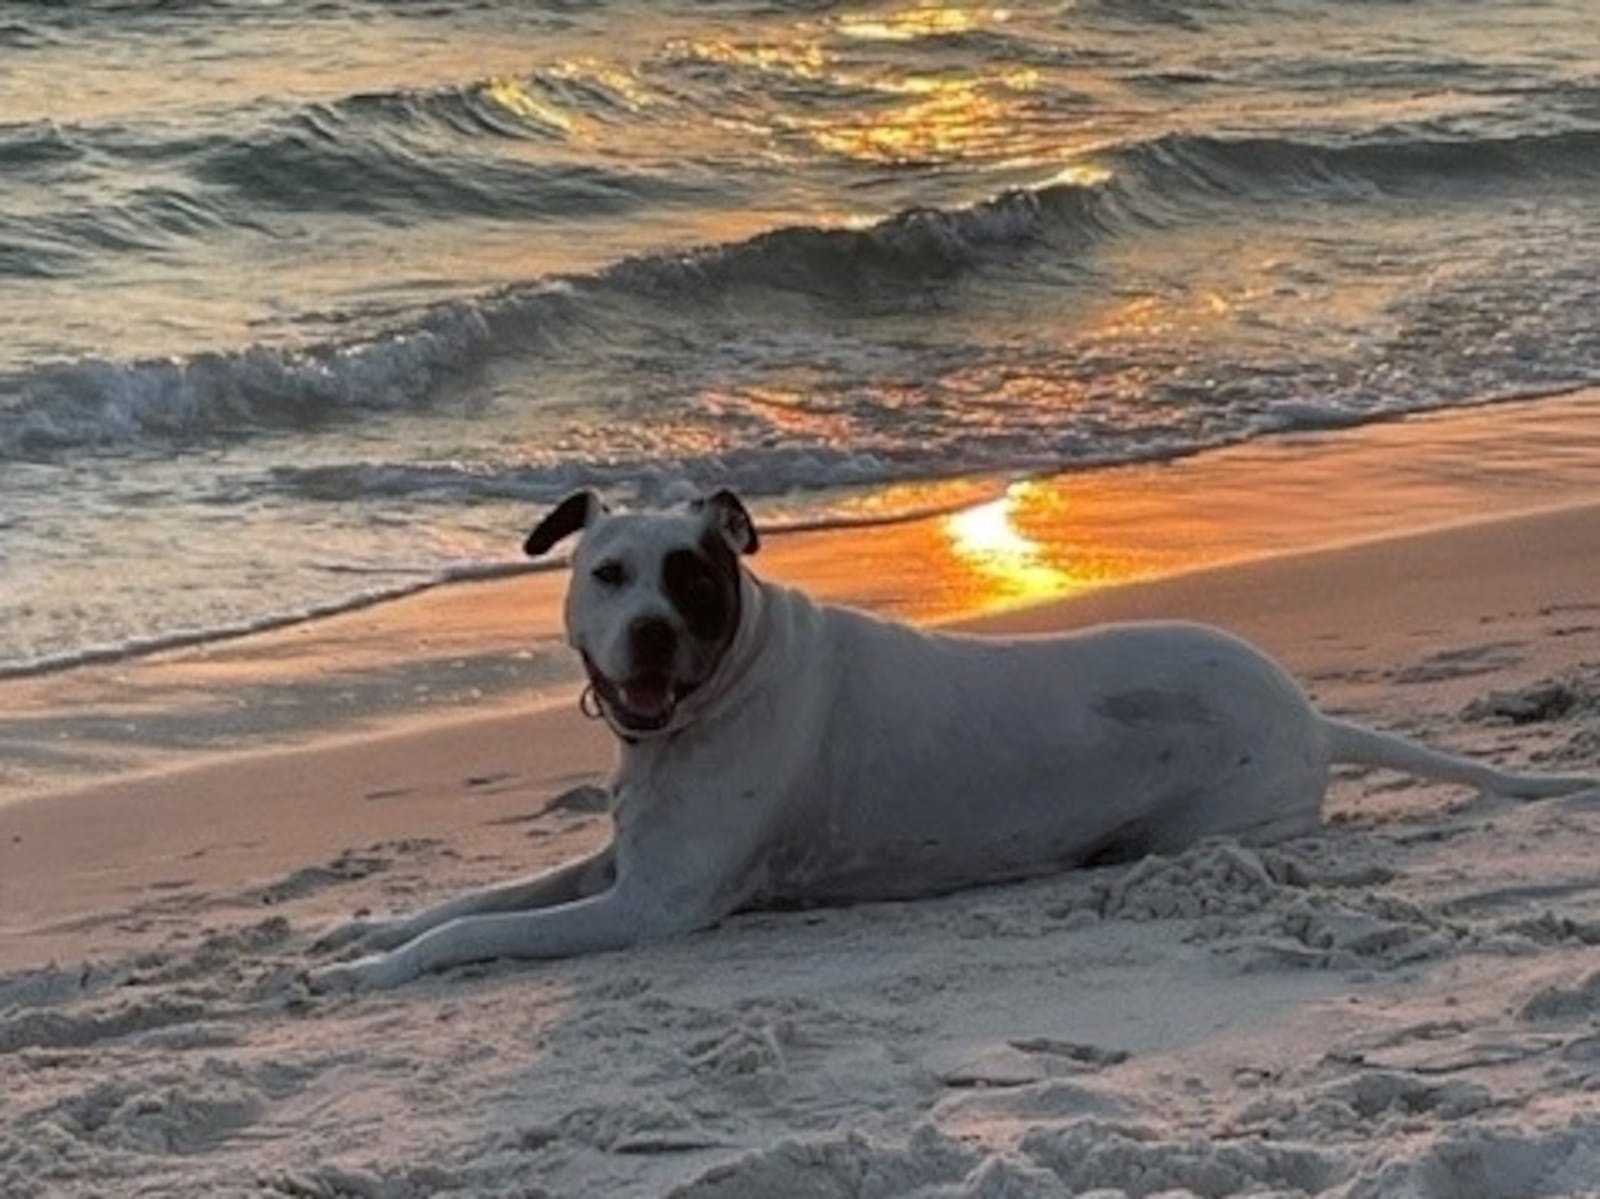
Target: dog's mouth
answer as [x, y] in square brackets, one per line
[641, 703]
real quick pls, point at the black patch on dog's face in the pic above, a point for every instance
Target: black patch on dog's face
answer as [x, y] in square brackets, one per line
[703, 587]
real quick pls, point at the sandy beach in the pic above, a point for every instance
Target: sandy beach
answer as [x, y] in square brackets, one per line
[1407, 1004]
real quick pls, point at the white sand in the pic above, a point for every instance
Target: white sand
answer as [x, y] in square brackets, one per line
[1405, 1005]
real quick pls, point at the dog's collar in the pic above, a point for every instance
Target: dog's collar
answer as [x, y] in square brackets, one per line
[600, 700]
[589, 704]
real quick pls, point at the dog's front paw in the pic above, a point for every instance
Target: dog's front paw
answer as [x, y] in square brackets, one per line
[377, 972]
[370, 935]
[351, 932]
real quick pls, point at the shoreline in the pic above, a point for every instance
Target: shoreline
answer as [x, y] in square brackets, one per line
[853, 521]
[493, 644]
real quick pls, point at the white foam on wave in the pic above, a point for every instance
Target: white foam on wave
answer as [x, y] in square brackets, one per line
[100, 403]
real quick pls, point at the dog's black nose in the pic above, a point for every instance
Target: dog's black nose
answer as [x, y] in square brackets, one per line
[653, 641]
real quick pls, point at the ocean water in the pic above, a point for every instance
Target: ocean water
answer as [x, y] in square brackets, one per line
[306, 301]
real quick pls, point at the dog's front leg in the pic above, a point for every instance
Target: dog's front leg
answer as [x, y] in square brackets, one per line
[611, 920]
[565, 883]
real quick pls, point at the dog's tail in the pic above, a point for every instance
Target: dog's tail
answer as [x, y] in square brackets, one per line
[1367, 747]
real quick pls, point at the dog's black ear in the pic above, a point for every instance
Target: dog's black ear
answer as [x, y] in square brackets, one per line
[565, 519]
[727, 514]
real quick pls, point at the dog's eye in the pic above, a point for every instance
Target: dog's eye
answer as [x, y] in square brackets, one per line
[610, 574]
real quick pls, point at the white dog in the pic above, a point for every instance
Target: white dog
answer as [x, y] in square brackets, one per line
[777, 750]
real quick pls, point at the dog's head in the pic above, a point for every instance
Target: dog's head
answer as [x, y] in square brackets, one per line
[655, 598]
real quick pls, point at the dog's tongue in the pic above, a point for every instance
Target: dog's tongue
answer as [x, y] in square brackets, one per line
[648, 694]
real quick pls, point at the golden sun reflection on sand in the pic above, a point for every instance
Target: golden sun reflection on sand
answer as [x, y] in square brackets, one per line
[1006, 561]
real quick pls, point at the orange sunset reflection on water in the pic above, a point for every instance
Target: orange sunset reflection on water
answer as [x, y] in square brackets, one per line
[938, 120]
[902, 117]
[921, 21]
